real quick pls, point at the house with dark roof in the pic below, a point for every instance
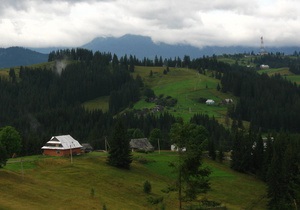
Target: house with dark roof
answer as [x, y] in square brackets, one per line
[64, 145]
[86, 147]
[141, 144]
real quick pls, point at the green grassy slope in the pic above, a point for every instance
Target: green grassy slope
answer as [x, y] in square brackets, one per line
[53, 183]
[187, 86]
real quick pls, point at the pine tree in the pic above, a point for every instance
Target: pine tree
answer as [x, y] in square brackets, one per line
[151, 73]
[221, 155]
[236, 154]
[211, 149]
[218, 87]
[268, 153]
[193, 178]
[119, 154]
[258, 156]
[276, 178]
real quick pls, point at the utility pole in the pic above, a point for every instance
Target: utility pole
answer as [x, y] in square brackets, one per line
[22, 169]
[71, 154]
[158, 145]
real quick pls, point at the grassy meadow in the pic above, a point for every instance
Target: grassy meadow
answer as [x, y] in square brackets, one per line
[187, 86]
[89, 183]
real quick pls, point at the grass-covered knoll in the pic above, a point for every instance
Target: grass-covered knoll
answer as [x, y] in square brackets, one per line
[53, 183]
[187, 86]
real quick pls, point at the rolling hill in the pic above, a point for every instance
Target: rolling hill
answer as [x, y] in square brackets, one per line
[19, 56]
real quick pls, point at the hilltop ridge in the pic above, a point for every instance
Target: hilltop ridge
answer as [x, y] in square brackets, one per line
[19, 56]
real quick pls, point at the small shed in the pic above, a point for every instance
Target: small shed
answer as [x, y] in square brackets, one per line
[141, 144]
[64, 145]
[86, 147]
[210, 102]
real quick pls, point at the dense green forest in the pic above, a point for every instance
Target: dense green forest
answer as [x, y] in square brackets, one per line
[40, 103]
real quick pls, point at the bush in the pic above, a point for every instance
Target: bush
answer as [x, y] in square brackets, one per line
[202, 100]
[142, 160]
[149, 93]
[170, 188]
[147, 187]
[155, 200]
[92, 192]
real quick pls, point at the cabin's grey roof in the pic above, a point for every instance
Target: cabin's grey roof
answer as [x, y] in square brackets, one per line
[62, 142]
[141, 144]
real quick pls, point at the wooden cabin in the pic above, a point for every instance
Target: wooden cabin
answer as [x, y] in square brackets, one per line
[64, 145]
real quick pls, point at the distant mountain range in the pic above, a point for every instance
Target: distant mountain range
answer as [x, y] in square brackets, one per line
[143, 46]
[19, 56]
[140, 46]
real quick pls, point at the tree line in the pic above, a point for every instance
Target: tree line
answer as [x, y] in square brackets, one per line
[275, 160]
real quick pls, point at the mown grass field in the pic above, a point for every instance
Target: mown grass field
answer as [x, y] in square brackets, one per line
[89, 183]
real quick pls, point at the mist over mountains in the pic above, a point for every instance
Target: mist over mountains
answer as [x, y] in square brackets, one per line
[140, 46]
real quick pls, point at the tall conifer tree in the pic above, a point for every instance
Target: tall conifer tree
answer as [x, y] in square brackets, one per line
[119, 154]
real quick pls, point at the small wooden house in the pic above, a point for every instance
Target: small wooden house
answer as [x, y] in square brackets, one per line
[141, 144]
[86, 147]
[64, 145]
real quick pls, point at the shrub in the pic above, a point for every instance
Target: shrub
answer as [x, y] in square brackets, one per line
[142, 160]
[92, 192]
[155, 200]
[147, 187]
[104, 207]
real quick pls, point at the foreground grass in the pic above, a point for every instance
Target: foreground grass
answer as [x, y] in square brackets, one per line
[89, 183]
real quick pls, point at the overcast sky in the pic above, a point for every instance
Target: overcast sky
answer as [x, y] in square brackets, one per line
[48, 23]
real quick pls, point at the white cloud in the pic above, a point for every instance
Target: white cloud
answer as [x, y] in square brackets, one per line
[38, 23]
